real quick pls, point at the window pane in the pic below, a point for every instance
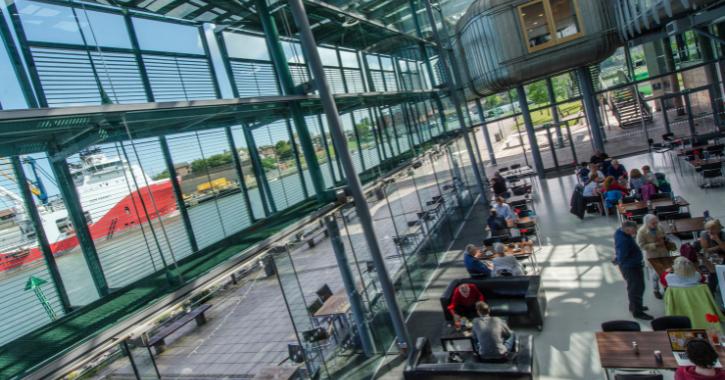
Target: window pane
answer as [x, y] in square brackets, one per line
[164, 36]
[243, 46]
[48, 23]
[537, 29]
[565, 17]
[328, 57]
[104, 29]
[349, 59]
[293, 52]
[373, 63]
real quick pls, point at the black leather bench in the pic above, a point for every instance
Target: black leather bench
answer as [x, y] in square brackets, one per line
[157, 341]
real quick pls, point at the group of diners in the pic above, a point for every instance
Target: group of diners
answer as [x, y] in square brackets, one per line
[502, 188]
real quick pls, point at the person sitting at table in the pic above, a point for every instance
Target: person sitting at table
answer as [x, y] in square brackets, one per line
[593, 169]
[496, 222]
[598, 157]
[506, 263]
[584, 171]
[703, 356]
[610, 184]
[590, 187]
[472, 262]
[499, 185]
[637, 180]
[503, 209]
[492, 336]
[616, 170]
[713, 238]
[464, 301]
[651, 177]
[651, 238]
[681, 275]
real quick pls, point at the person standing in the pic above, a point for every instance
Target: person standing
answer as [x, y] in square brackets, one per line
[630, 261]
[652, 239]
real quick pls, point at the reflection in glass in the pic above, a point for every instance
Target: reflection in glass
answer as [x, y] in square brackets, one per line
[565, 18]
[537, 27]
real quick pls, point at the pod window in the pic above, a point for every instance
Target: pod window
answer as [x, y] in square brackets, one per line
[550, 22]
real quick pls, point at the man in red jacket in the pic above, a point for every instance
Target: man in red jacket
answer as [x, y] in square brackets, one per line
[464, 301]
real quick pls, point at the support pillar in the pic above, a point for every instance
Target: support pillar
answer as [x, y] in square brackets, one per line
[343, 263]
[554, 113]
[529, 124]
[17, 63]
[42, 239]
[589, 107]
[664, 114]
[285, 80]
[177, 193]
[262, 184]
[355, 187]
[486, 136]
[137, 53]
[635, 93]
[454, 98]
[80, 225]
[672, 80]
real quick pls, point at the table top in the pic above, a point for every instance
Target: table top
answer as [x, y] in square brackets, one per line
[615, 350]
[511, 223]
[281, 373]
[509, 250]
[522, 171]
[517, 198]
[625, 208]
[661, 264]
[431, 207]
[706, 161]
[335, 305]
[685, 225]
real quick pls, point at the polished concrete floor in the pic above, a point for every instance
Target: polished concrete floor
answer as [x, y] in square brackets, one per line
[583, 288]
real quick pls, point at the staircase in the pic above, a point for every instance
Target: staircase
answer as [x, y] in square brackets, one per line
[625, 109]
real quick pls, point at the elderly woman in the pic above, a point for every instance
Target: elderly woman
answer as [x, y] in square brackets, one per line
[713, 239]
[651, 238]
[681, 275]
[502, 262]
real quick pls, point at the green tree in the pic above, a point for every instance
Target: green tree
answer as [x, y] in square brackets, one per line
[219, 160]
[538, 92]
[164, 174]
[363, 131]
[493, 101]
[283, 150]
[200, 165]
[268, 164]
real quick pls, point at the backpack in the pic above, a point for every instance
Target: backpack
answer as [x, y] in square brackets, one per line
[688, 251]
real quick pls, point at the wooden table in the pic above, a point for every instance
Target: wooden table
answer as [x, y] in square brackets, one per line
[615, 350]
[509, 250]
[706, 161]
[685, 225]
[278, 373]
[661, 264]
[627, 207]
[511, 223]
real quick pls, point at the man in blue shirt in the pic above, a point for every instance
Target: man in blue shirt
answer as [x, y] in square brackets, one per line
[496, 222]
[503, 209]
[476, 265]
[631, 264]
[616, 170]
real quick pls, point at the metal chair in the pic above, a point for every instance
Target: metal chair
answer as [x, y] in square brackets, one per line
[626, 200]
[671, 322]
[637, 215]
[663, 211]
[683, 235]
[620, 325]
[324, 293]
[503, 169]
[659, 196]
[515, 166]
[710, 171]
[489, 242]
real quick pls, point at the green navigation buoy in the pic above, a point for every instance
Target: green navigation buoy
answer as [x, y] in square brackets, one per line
[34, 283]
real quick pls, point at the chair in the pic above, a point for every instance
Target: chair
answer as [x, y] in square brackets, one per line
[638, 376]
[710, 171]
[296, 353]
[324, 293]
[474, 274]
[668, 137]
[314, 307]
[671, 322]
[715, 150]
[516, 204]
[489, 242]
[620, 325]
[683, 235]
[522, 213]
[515, 166]
[504, 169]
[659, 196]
[500, 233]
[663, 211]
[637, 215]
[626, 200]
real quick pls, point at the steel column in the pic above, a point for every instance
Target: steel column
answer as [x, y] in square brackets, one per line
[454, 97]
[262, 184]
[664, 113]
[177, 193]
[535, 152]
[42, 239]
[23, 41]
[688, 109]
[486, 136]
[137, 53]
[348, 278]
[17, 63]
[296, 155]
[279, 60]
[554, 113]
[333, 118]
[590, 108]
[207, 54]
[80, 225]
[240, 172]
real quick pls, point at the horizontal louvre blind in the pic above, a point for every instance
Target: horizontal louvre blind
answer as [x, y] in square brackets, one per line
[390, 81]
[334, 80]
[177, 79]
[378, 81]
[354, 81]
[254, 79]
[299, 74]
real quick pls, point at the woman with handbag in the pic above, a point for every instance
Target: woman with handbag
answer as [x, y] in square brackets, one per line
[652, 239]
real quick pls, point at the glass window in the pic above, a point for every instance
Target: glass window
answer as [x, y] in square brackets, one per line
[293, 52]
[328, 57]
[550, 22]
[349, 59]
[373, 62]
[48, 23]
[244, 46]
[103, 29]
[164, 36]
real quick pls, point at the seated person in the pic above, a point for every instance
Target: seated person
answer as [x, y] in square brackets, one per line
[590, 187]
[499, 184]
[496, 222]
[472, 262]
[682, 275]
[584, 171]
[464, 301]
[637, 180]
[503, 209]
[616, 170]
[593, 169]
[651, 177]
[610, 184]
[703, 356]
[507, 263]
[492, 336]
[713, 238]
[598, 157]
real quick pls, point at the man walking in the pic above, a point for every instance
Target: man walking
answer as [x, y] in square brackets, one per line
[630, 261]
